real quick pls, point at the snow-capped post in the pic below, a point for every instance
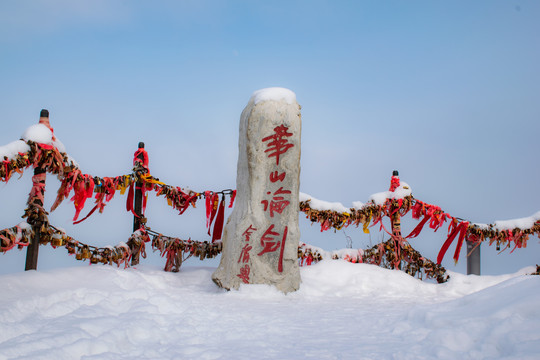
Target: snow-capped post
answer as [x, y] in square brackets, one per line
[35, 205]
[473, 258]
[140, 166]
[395, 217]
[260, 241]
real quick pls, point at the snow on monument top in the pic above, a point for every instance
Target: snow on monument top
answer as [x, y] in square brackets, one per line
[275, 94]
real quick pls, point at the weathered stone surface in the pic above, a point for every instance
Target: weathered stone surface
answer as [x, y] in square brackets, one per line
[260, 240]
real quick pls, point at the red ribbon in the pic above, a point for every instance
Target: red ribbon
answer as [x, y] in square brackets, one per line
[218, 226]
[233, 196]
[38, 188]
[418, 228]
[382, 227]
[144, 160]
[129, 201]
[83, 190]
[460, 229]
[86, 217]
[208, 205]
[394, 183]
[215, 201]
[418, 209]
[7, 172]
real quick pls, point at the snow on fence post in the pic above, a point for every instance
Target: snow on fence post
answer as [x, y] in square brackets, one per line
[260, 241]
[139, 164]
[473, 258]
[35, 205]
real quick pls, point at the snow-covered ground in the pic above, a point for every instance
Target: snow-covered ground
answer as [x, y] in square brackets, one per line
[342, 311]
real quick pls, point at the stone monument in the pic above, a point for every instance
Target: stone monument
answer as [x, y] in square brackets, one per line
[260, 240]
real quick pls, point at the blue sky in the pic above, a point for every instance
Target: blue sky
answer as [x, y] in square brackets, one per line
[446, 92]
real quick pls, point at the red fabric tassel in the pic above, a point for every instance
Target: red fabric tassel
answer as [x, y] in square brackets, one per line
[215, 201]
[83, 190]
[461, 228]
[462, 235]
[233, 196]
[130, 200]
[218, 226]
[208, 206]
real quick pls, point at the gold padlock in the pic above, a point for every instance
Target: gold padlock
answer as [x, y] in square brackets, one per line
[86, 253]
[57, 241]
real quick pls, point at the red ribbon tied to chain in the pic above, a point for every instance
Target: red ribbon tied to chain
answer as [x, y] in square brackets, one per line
[218, 226]
[213, 209]
[454, 230]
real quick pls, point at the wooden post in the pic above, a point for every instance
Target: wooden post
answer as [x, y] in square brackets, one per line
[34, 201]
[396, 220]
[137, 207]
[473, 258]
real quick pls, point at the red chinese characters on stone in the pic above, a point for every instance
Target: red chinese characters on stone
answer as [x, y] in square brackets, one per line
[244, 274]
[268, 242]
[271, 243]
[275, 176]
[278, 143]
[244, 255]
[278, 202]
[248, 232]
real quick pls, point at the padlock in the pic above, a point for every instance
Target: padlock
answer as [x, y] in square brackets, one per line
[202, 251]
[86, 253]
[57, 241]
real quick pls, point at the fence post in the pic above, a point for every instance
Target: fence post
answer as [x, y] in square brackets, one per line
[473, 258]
[138, 205]
[34, 201]
[395, 218]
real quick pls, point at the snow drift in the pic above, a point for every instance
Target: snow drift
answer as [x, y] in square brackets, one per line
[342, 311]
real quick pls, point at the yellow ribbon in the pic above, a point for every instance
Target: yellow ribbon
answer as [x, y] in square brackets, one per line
[124, 185]
[366, 223]
[149, 179]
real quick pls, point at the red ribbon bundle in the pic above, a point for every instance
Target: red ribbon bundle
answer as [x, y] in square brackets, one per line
[105, 194]
[394, 183]
[213, 209]
[83, 190]
[141, 153]
[453, 231]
